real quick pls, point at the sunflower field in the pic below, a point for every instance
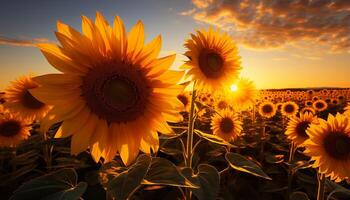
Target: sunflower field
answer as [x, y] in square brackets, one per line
[119, 123]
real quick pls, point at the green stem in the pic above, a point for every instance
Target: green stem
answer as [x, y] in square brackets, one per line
[321, 184]
[290, 168]
[189, 143]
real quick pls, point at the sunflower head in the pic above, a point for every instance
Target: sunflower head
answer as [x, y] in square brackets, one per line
[289, 109]
[226, 125]
[221, 104]
[267, 109]
[297, 126]
[20, 101]
[13, 130]
[113, 94]
[320, 105]
[245, 94]
[308, 103]
[329, 146]
[213, 60]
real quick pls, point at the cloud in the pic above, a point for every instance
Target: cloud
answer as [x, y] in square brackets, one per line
[265, 24]
[22, 42]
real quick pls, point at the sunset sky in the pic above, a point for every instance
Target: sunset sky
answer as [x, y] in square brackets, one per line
[282, 43]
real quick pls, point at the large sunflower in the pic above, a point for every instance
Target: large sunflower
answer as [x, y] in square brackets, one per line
[289, 109]
[329, 146]
[18, 99]
[213, 60]
[13, 129]
[297, 126]
[267, 109]
[113, 94]
[245, 95]
[226, 125]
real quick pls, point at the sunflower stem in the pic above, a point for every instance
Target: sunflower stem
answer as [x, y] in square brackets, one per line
[189, 144]
[47, 152]
[321, 184]
[262, 140]
[290, 168]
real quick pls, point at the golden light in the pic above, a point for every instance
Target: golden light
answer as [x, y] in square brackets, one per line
[234, 88]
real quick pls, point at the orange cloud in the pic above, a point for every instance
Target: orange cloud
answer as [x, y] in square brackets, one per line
[278, 23]
[22, 43]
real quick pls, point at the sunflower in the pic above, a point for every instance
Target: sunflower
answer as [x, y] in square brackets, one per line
[297, 126]
[221, 104]
[329, 146]
[213, 60]
[267, 109]
[307, 109]
[289, 109]
[320, 105]
[245, 95]
[113, 94]
[19, 101]
[226, 125]
[308, 103]
[13, 130]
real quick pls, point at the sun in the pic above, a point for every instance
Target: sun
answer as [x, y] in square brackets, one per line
[234, 88]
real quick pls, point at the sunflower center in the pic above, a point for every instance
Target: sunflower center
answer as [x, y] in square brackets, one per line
[10, 128]
[211, 63]
[337, 145]
[31, 102]
[226, 125]
[116, 92]
[319, 105]
[267, 109]
[289, 108]
[183, 99]
[301, 129]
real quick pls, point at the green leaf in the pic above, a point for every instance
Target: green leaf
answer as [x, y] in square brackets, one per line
[299, 196]
[164, 172]
[208, 180]
[242, 164]
[336, 189]
[212, 138]
[126, 182]
[61, 184]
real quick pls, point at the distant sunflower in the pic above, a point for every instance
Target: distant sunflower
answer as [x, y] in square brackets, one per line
[113, 94]
[297, 126]
[308, 109]
[320, 105]
[226, 125]
[13, 130]
[213, 60]
[221, 104]
[315, 98]
[267, 109]
[335, 101]
[289, 109]
[21, 102]
[308, 103]
[329, 146]
[245, 95]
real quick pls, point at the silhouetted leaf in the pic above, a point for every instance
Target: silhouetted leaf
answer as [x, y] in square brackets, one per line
[241, 163]
[212, 138]
[299, 196]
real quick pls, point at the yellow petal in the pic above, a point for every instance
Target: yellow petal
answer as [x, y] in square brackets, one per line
[135, 40]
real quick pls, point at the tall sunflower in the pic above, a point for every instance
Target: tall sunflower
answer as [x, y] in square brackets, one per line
[289, 109]
[245, 95]
[297, 126]
[18, 99]
[13, 129]
[267, 109]
[226, 125]
[213, 60]
[329, 146]
[113, 94]
[320, 105]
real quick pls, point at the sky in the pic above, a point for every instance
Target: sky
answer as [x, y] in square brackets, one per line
[282, 43]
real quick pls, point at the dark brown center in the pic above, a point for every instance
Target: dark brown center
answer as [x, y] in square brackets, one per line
[222, 105]
[301, 129]
[211, 63]
[31, 102]
[289, 108]
[226, 125]
[267, 108]
[10, 128]
[337, 145]
[116, 92]
[319, 105]
[308, 103]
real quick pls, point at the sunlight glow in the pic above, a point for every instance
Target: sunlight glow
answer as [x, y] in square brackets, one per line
[234, 88]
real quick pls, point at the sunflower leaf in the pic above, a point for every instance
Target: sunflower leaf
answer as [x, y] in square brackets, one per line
[126, 182]
[207, 178]
[299, 196]
[61, 184]
[164, 172]
[212, 138]
[243, 164]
